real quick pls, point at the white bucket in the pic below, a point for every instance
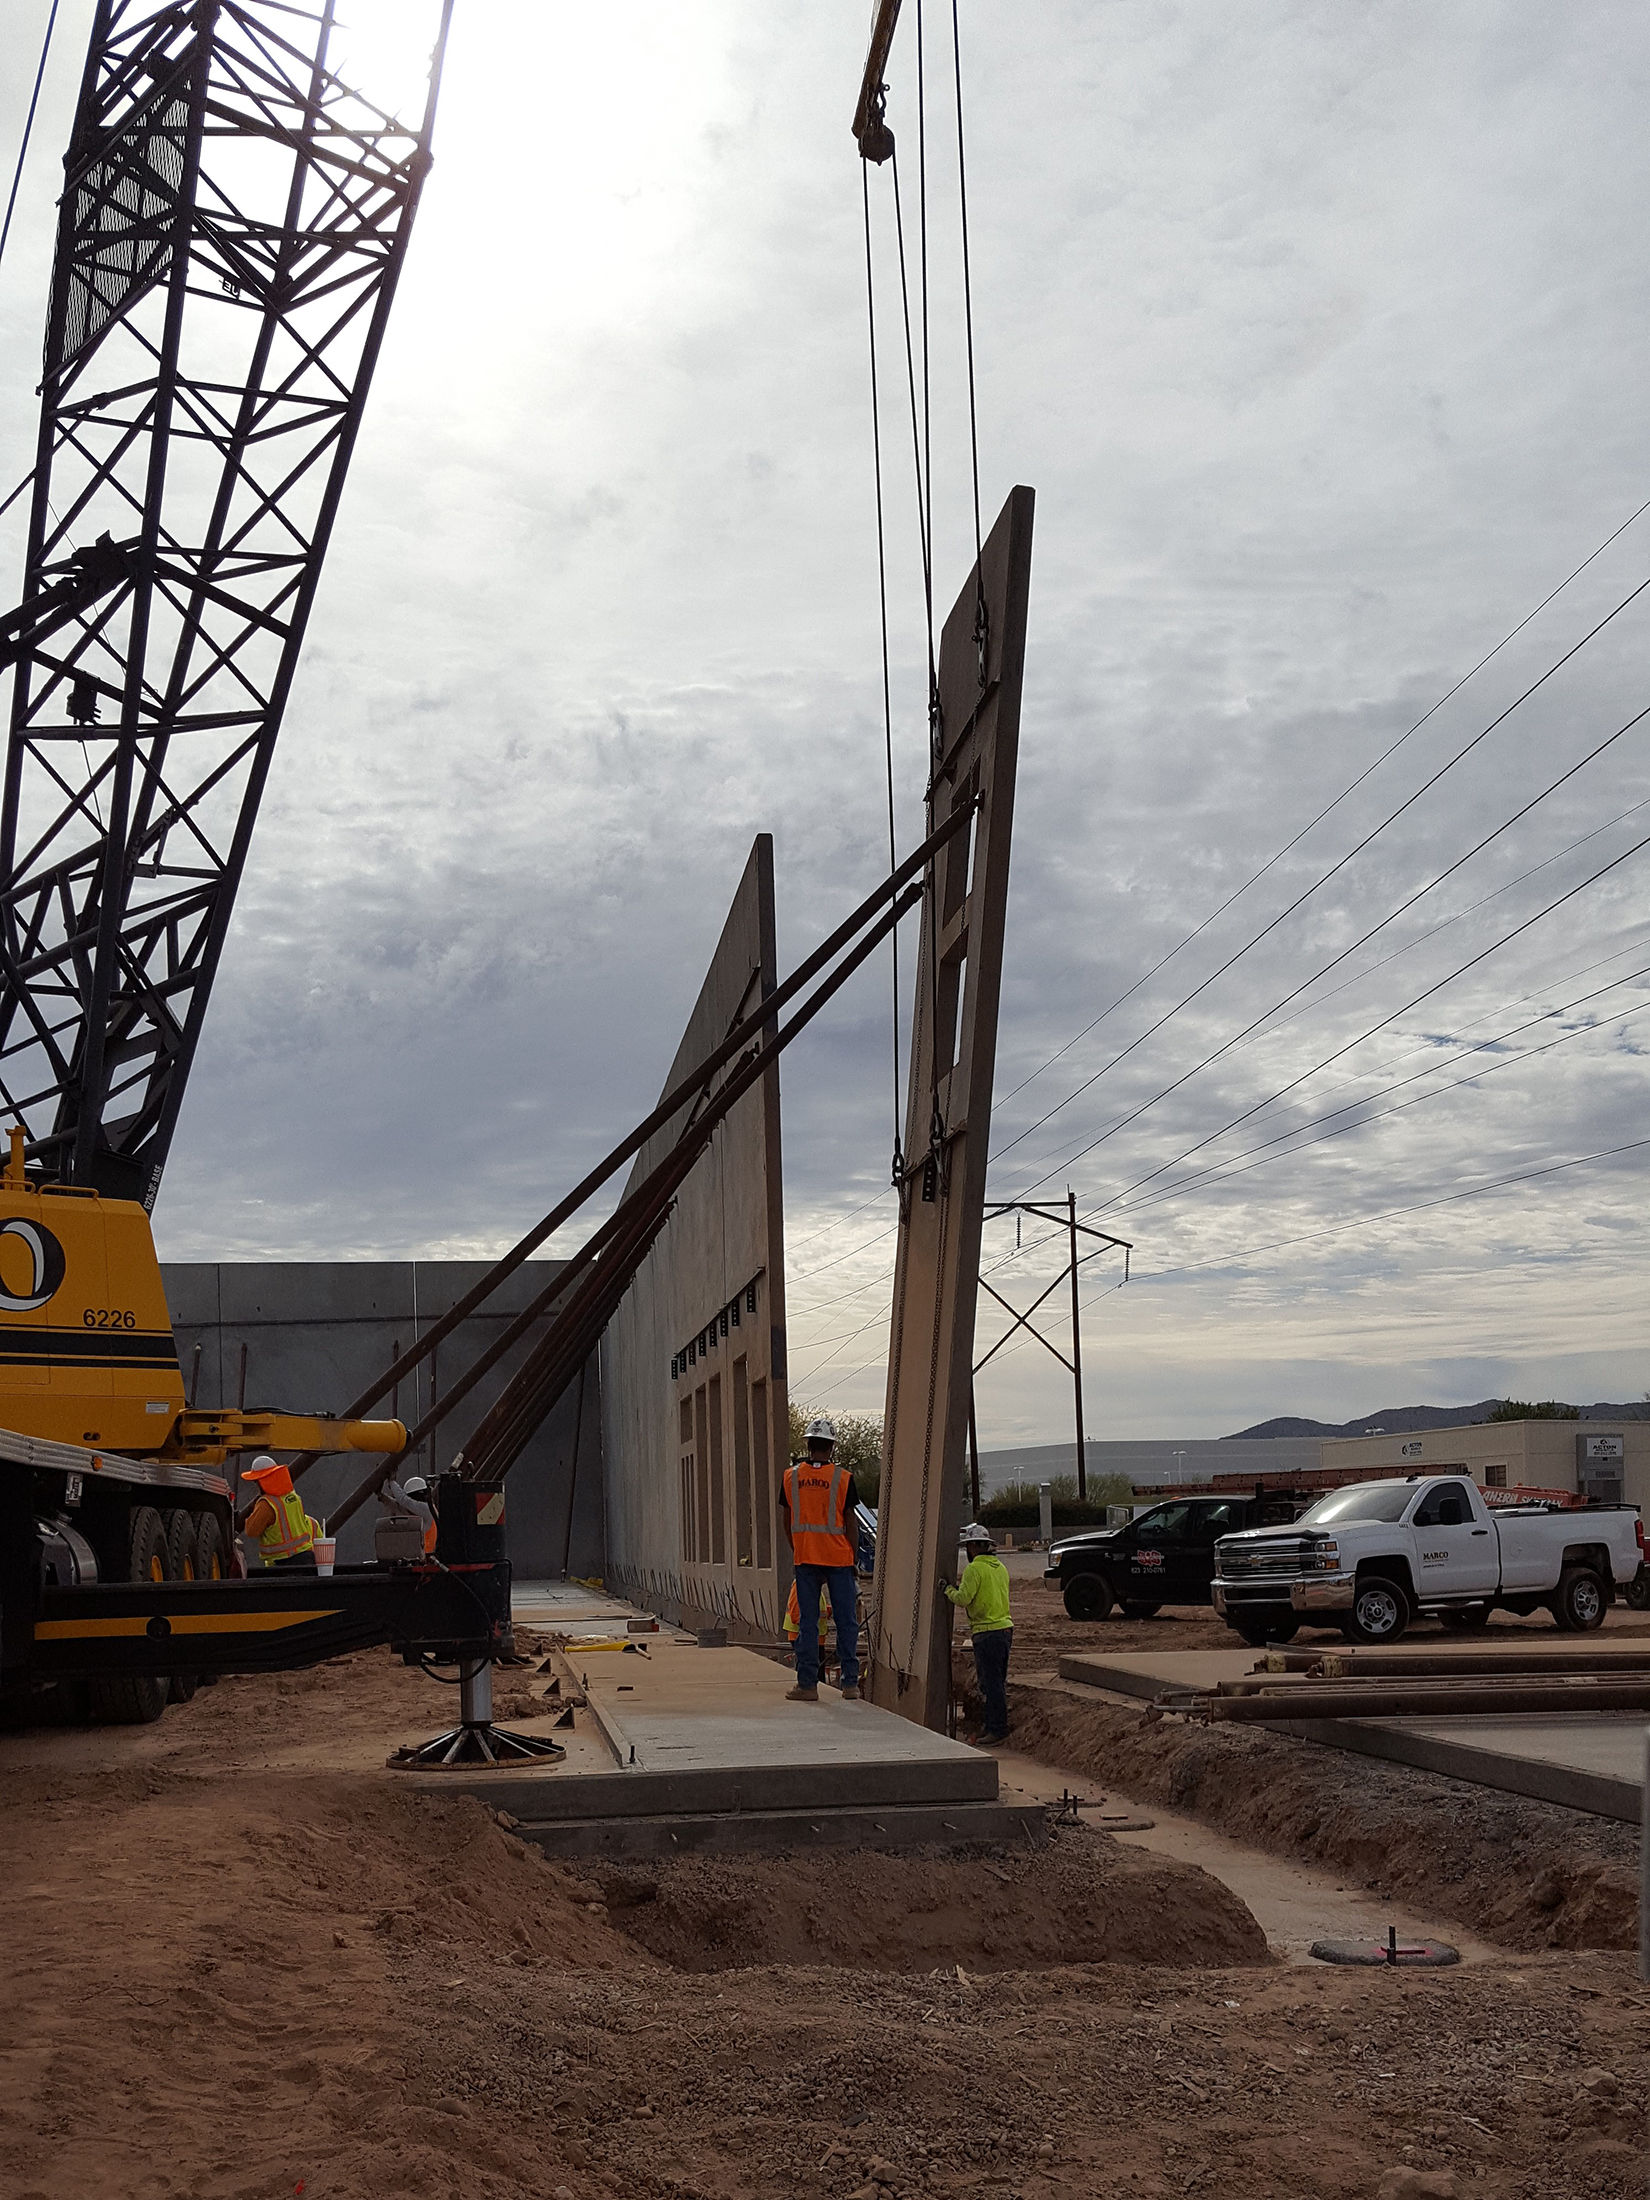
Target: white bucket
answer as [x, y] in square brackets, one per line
[326, 1550]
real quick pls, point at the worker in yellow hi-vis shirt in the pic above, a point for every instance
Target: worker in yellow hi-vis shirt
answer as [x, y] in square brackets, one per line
[285, 1532]
[983, 1594]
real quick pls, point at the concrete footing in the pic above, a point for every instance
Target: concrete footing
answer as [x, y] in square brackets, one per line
[778, 1832]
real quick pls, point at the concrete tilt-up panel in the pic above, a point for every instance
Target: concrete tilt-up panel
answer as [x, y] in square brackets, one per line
[694, 1419]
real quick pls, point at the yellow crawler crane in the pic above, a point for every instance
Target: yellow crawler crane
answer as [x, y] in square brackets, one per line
[87, 1355]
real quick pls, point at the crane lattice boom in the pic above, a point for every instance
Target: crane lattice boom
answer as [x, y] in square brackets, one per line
[233, 223]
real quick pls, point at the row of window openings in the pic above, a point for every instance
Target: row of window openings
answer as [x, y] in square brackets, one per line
[702, 1468]
[701, 1347]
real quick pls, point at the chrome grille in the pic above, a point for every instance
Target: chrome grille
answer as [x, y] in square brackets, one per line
[1260, 1558]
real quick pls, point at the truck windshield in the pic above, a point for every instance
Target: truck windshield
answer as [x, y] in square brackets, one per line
[1364, 1501]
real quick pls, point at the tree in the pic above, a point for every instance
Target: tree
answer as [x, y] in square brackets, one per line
[1520, 1409]
[1110, 1489]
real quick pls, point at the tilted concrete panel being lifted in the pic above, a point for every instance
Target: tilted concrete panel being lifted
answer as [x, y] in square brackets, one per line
[947, 1124]
[694, 1420]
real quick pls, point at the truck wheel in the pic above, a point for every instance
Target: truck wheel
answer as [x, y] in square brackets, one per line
[211, 1548]
[1636, 1595]
[180, 1566]
[1380, 1611]
[1263, 1624]
[1088, 1596]
[1140, 1611]
[1579, 1605]
[134, 1699]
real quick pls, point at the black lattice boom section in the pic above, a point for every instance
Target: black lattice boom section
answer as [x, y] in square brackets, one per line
[233, 222]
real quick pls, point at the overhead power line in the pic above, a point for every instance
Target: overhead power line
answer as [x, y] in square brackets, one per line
[1254, 1025]
[1351, 788]
[1243, 1163]
[1339, 865]
[1434, 1066]
[1388, 1214]
[1460, 916]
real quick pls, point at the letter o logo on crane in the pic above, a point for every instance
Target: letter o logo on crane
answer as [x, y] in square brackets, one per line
[48, 1265]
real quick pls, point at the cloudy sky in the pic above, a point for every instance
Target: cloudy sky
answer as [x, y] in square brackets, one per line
[1320, 333]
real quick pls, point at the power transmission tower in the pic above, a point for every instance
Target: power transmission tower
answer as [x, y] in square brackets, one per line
[233, 223]
[1067, 1216]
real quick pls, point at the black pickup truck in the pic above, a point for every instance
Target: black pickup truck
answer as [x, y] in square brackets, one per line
[1164, 1556]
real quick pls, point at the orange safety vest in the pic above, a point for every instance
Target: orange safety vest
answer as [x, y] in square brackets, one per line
[816, 1495]
[793, 1613]
[290, 1533]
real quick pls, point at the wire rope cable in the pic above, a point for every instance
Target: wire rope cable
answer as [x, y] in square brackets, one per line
[897, 1165]
[28, 131]
[980, 635]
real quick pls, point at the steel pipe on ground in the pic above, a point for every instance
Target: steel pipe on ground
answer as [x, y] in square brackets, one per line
[1386, 1699]
[1397, 1664]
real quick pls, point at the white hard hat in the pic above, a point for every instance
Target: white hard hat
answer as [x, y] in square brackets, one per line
[976, 1536]
[821, 1431]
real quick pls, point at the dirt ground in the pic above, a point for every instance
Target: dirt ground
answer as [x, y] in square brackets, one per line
[1521, 1873]
[234, 1972]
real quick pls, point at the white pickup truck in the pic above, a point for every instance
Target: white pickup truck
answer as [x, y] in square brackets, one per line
[1369, 1557]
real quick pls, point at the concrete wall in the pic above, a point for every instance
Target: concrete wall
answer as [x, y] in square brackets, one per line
[1543, 1455]
[694, 1426]
[317, 1332]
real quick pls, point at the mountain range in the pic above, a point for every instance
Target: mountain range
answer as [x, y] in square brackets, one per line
[1406, 1420]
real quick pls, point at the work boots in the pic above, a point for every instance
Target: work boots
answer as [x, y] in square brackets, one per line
[802, 1695]
[850, 1694]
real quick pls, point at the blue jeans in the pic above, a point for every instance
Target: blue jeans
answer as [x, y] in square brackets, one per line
[843, 1584]
[991, 1670]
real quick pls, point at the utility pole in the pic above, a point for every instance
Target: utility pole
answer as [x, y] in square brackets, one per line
[973, 1456]
[1066, 1216]
[1077, 1352]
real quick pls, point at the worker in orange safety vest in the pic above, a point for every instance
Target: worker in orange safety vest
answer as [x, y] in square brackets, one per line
[285, 1532]
[819, 1504]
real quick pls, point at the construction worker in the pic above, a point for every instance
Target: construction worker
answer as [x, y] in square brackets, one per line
[983, 1594]
[793, 1620]
[818, 1505]
[285, 1532]
[412, 1499]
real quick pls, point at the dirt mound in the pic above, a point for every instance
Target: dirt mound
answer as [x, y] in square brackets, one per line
[1081, 1900]
[1523, 1874]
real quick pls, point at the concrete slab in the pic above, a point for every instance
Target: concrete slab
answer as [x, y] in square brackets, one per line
[680, 1748]
[569, 1606]
[684, 1708]
[1589, 1760]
